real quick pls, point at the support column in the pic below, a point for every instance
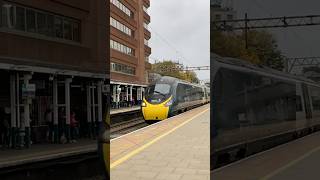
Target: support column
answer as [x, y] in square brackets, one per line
[94, 120]
[127, 95]
[89, 114]
[131, 87]
[138, 95]
[13, 110]
[18, 100]
[114, 95]
[55, 111]
[67, 102]
[142, 93]
[118, 96]
[99, 94]
[26, 120]
[17, 139]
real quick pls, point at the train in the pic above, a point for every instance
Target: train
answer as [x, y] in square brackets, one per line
[168, 96]
[255, 108]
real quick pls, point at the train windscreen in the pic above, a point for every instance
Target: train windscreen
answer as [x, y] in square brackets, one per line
[158, 93]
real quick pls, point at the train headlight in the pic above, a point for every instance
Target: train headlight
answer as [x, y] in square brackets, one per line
[143, 104]
[169, 103]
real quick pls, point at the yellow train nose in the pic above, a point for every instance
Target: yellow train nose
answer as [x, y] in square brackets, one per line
[155, 111]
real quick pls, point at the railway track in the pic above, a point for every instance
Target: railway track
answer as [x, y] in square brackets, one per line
[121, 128]
[82, 166]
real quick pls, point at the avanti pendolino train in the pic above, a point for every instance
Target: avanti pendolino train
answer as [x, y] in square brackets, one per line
[255, 108]
[168, 96]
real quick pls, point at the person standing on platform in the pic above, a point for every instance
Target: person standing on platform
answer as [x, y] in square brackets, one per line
[49, 122]
[74, 127]
[133, 101]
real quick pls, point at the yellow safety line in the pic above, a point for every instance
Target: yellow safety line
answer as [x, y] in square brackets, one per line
[290, 164]
[141, 148]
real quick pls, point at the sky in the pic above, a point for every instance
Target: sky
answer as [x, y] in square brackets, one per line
[180, 31]
[293, 42]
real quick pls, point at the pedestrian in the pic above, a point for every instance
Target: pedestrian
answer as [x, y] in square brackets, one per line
[132, 101]
[49, 122]
[74, 127]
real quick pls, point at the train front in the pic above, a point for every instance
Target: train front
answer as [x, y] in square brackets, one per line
[158, 101]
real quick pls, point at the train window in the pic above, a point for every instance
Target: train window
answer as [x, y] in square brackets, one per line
[315, 98]
[162, 89]
[298, 103]
[158, 93]
[180, 93]
[259, 99]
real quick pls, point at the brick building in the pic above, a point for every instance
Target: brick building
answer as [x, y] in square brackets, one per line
[52, 58]
[129, 49]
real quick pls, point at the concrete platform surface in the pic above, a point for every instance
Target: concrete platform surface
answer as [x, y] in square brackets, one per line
[123, 110]
[296, 160]
[39, 152]
[177, 148]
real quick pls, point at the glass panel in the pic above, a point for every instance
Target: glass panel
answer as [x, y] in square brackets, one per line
[7, 15]
[58, 27]
[20, 18]
[67, 30]
[158, 93]
[50, 25]
[42, 23]
[31, 21]
[76, 31]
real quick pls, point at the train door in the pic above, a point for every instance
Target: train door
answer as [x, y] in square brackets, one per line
[307, 105]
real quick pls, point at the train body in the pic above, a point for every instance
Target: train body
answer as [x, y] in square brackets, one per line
[168, 96]
[255, 108]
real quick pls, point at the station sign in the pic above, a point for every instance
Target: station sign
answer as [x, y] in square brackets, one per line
[28, 90]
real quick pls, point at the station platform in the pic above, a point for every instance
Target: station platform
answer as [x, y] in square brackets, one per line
[124, 110]
[40, 152]
[295, 160]
[174, 149]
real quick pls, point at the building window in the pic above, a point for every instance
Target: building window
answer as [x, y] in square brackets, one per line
[41, 23]
[146, 42]
[122, 48]
[31, 21]
[145, 25]
[67, 30]
[116, 24]
[145, 9]
[44, 23]
[121, 68]
[20, 18]
[58, 24]
[122, 7]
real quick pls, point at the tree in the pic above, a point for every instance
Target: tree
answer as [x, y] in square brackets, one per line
[173, 69]
[262, 47]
